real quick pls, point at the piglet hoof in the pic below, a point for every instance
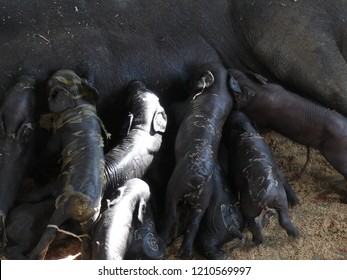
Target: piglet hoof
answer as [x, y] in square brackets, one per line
[241, 244]
[293, 232]
[287, 224]
[186, 253]
[257, 240]
[166, 238]
[167, 235]
[216, 255]
[344, 200]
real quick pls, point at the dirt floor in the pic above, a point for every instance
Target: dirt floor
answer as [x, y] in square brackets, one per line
[320, 218]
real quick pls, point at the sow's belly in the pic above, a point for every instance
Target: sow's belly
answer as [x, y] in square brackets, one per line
[109, 61]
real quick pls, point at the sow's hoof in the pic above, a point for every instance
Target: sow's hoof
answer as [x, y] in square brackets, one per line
[146, 246]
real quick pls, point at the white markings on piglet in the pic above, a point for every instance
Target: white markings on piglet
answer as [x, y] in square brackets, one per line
[206, 123]
[79, 237]
[230, 220]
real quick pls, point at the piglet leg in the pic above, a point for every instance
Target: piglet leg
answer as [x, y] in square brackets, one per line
[190, 232]
[39, 252]
[285, 222]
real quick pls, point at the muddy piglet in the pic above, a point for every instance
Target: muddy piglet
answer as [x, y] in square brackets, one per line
[273, 107]
[254, 173]
[196, 151]
[77, 134]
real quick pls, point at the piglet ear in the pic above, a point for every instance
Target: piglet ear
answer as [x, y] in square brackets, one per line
[201, 81]
[159, 121]
[59, 101]
[25, 133]
[89, 92]
[233, 85]
[245, 97]
[241, 94]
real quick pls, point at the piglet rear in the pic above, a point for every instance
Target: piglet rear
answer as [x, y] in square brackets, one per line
[253, 171]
